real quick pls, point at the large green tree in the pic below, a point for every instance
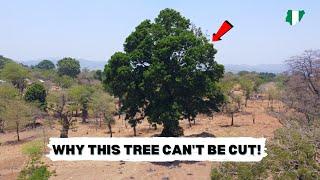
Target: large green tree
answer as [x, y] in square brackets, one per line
[68, 66]
[166, 73]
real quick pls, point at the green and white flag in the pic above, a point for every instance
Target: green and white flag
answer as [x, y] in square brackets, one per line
[293, 17]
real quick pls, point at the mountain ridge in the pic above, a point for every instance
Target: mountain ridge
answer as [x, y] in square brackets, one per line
[234, 68]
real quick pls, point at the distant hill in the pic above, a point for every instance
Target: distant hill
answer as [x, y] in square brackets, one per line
[93, 65]
[271, 68]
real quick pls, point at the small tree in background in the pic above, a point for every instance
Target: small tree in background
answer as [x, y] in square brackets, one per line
[58, 103]
[231, 107]
[247, 86]
[98, 75]
[232, 103]
[36, 93]
[103, 106]
[272, 94]
[45, 65]
[68, 66]
[18, 114]
[85, 77]
[81, 95]
[7, 93]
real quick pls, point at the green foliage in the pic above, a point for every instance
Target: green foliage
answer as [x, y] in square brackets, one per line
[7, 93]
[247, 86]
[102, 103]
[291, 155]
[81, 96]
[68, 66]
[17, 114]
[33, 149]
[64, 81]
[167, 72]
[98, 75]
[36, 93]
[103, 106]
[267, 77]
[35, 171]
[240, 171]
[45, 65]
[16, 74]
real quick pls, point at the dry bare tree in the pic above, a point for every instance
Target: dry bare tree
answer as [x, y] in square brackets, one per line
[303, 84]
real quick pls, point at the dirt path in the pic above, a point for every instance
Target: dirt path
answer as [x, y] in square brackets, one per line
[12, 160]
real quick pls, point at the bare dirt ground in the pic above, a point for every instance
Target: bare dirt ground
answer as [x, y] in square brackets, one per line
[12, 159]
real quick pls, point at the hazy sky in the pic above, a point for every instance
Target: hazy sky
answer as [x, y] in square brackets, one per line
[94, 30]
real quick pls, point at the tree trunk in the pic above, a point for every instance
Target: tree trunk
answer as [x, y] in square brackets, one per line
[1, 126]
[194, 121]
[171, 128]
[189, 121]
[110, 129]
[231, 119]
[17, 130]
[246, 102]
[84, 115]
[65, 127]
[134, 131]
[309, 119]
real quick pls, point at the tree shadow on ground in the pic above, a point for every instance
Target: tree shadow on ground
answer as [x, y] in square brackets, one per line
[226, 126]
[15, 142]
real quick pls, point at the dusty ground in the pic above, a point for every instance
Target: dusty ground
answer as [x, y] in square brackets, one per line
[12, 160]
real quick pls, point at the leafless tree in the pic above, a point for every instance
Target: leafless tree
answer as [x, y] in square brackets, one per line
[303, 84]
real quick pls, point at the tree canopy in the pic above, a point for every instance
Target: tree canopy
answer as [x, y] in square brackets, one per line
[68, 66]
[45, 65]
[16, 74]
[166, 73]
[81, 95]
[36, 93]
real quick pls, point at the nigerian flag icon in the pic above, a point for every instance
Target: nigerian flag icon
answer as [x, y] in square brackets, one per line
[293, 17]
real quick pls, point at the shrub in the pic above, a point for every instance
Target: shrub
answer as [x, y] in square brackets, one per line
[291, 155]
[35, 168]
[36, 93]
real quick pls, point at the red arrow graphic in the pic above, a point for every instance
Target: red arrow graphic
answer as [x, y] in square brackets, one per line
[225, 27]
